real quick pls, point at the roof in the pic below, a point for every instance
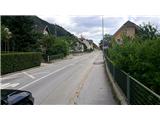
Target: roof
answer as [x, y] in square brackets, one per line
[79, 40]
[90, 41]
[127, 24]
[46, 29]
[95, 46]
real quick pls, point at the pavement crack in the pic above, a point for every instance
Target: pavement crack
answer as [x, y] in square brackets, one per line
[73, 99]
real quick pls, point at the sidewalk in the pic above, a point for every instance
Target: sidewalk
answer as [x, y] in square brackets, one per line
[96, 89]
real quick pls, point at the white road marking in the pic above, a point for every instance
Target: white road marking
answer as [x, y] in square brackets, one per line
[2, 86]
[10, 76]
[39, 73]
[44, 76]
[31, 76]
[14, 84]
[5, 78]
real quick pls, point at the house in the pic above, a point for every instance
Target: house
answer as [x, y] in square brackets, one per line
[129, 29]
[95, 46]
[87, 43]
[46, 30]
[91, 44]
[79, 46]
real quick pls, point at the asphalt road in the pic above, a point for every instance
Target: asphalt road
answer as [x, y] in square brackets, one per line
[80, 80]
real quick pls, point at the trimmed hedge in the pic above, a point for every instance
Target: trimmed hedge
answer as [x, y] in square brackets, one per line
[12, 62]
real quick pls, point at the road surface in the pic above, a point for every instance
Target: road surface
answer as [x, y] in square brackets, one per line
[80, 80]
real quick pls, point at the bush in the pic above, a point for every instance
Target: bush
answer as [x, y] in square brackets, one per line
[59, 46]
[11, 62]
[55, 47]
[139, 59]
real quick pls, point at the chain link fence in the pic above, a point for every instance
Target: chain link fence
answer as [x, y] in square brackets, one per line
[135, 92]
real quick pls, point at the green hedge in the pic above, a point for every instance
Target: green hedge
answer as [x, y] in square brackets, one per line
[11, 62]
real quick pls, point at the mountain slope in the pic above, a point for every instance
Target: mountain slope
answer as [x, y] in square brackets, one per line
[54, 29]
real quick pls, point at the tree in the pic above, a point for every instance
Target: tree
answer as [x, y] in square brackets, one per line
[101, 44]
[5, 36]
[107, 37]
[22, 28]
[106, 42]
[147, 32]
[46, 44]
[60, 46]
[51, 45]
[140, 59]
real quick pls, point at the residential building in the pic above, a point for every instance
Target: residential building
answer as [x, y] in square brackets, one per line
[129, 29]
[95, 46]
[79, 46]
[46, 30]
[87, 43]
[91, 44]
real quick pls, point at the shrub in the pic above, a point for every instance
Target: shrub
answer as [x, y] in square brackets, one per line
[59, 46]
[11, 62]
[139, 59]
[54, 47]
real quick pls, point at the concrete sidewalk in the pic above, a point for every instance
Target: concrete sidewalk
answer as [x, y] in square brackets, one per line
[96, 89]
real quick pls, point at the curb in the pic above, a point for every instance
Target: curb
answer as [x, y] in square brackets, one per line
[118, 94]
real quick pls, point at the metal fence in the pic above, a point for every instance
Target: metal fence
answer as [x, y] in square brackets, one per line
[135, 92]
[49, 58]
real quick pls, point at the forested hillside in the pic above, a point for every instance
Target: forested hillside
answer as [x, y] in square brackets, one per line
[54, 28]
[24, 33]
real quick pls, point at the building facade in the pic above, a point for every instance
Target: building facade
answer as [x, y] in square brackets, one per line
[129, 29]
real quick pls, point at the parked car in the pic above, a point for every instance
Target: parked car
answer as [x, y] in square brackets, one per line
[16, 97]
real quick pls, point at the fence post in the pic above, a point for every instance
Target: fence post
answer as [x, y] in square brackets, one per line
[128, 89]
[113, 72]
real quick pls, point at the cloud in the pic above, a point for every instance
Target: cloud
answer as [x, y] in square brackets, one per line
[88, 21]
[91, 26]
[154, 20]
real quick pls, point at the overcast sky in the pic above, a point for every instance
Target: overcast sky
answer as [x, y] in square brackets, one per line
[91, 26]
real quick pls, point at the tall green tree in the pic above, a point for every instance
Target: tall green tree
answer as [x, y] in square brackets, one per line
[46, 44]
[147, 32]
[61, 46]
[22, 27]
[107, 40]
[5, 38]
[107, 37]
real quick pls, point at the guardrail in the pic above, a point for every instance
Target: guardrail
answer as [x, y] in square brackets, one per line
[135, 92]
